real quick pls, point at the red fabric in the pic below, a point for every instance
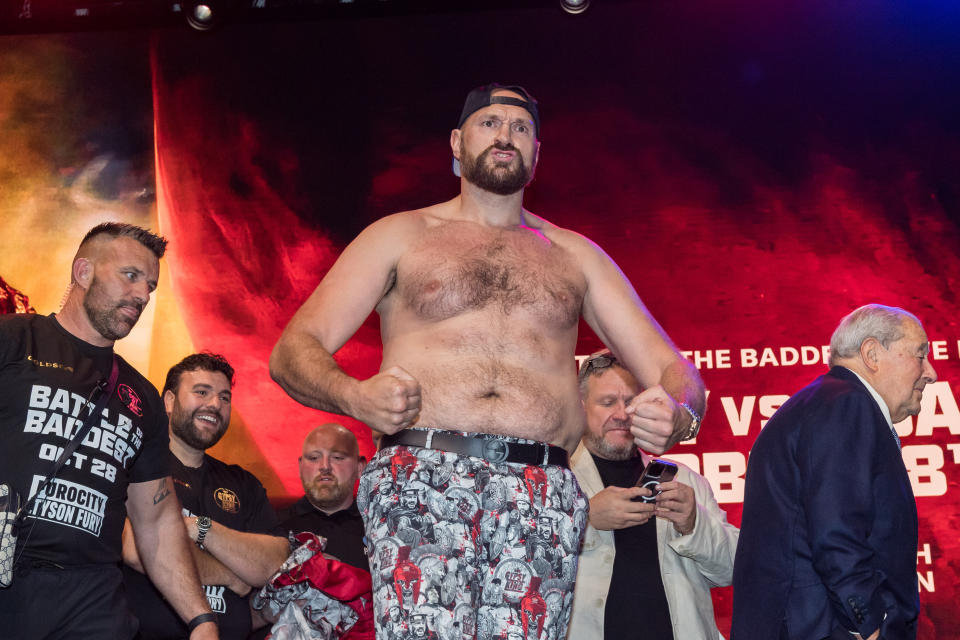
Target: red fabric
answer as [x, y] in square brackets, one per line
[339, 580]
[12, 301]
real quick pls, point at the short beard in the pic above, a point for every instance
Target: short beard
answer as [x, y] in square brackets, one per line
[104, 318]
[503, 180]
[182, 426]
[609, 451]
[326, 497]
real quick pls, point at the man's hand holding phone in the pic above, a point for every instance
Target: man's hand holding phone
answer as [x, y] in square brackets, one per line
[677, 503]
[656, 472]
[656, 494]
[674, 500]
[619, 508]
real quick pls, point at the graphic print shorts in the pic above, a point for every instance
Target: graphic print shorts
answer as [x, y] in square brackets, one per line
[464, 548]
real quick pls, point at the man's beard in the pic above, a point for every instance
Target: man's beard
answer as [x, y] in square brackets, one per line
[182, 425]
[326, 495]
[105, 316]
[501, 179]
[611, 451]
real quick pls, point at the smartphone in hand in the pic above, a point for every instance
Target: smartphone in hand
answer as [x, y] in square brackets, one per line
[657, 471]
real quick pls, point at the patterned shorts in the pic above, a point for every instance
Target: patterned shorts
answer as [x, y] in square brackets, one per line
[464, 548]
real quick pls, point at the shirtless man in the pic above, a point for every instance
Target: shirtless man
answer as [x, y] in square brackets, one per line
[479, 302]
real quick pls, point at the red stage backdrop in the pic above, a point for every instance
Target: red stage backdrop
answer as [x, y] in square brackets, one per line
[753, 194]
[756, 170]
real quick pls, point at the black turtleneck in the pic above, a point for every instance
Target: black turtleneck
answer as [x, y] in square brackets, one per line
[636, 585]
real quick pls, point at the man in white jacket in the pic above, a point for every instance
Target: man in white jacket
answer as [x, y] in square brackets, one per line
[646, 568]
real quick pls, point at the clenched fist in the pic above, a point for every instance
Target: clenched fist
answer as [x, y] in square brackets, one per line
[388, 401]
[656, 420]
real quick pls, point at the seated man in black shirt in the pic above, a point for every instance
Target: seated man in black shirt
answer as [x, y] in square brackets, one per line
[225, 507]
[661, 556]
[329, 468]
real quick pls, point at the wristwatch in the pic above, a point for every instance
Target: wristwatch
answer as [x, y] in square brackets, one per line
[203, 526]
[694, 422]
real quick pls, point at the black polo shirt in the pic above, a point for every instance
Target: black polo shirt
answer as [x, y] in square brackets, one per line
[343, 530]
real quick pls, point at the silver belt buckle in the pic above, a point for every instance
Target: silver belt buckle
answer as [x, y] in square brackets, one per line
[495, 450]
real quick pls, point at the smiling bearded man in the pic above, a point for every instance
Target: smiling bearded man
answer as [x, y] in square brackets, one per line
[225, 507]
[200, 421]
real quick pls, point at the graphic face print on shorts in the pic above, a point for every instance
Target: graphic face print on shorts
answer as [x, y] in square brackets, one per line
[461, 547]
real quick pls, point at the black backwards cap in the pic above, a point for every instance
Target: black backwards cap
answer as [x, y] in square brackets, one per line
[481, 97]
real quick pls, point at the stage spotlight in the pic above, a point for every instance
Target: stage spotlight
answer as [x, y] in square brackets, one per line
[574, 6]
[204, 15]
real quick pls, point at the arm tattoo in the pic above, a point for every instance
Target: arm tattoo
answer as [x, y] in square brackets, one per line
[162, 492]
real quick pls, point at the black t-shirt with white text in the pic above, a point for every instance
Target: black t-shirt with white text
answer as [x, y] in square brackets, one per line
[231, 496]
[46, 378]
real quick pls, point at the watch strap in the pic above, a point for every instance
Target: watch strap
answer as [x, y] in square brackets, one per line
[203, 526]
[694, 422]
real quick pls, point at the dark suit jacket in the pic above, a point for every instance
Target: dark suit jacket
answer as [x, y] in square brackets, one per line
[828, 540]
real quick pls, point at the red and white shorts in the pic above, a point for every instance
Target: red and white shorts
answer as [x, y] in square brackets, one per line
[464, 548]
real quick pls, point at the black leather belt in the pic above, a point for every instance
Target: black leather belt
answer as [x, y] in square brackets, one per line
[490, 448]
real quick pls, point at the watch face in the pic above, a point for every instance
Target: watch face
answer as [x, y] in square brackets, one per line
[203, 522]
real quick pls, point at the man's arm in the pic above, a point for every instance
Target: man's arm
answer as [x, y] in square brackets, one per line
[163, 550]
[209, 569]
[615, 312]
[302, 360]
[253, 557]
[130, 556]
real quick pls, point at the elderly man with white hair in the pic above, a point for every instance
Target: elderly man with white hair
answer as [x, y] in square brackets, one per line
[828, 540]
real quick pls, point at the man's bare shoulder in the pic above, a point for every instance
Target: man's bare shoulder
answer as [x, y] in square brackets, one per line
[576, 243]
[409, 224]
[404, 222]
